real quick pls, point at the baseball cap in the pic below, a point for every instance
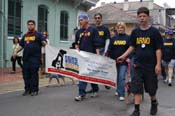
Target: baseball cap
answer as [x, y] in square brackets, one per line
[170, 32]
[83, 16]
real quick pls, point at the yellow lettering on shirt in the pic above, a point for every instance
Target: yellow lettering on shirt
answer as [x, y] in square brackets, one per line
[101, 33]
[143, 40]
[28, 39]
[86, 34]
[168, 44]
[81, 35]
[119, 42]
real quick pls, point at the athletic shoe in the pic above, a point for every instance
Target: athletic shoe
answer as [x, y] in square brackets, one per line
[94, 94]
[116, 93]
[135, 113]
[26, 93]
[79, 98]
[107, 87]
[165, 80]
[34, 93]
[169, 82]
[121, 98]
[154, 108]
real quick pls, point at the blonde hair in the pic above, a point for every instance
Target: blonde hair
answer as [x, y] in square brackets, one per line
[122, 24]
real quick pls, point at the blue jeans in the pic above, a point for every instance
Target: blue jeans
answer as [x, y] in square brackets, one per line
[82, 88]
[121, 74]
[102, 50]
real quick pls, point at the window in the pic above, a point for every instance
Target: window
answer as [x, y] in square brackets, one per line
[14, 17]
[42, 18]
[64, 25]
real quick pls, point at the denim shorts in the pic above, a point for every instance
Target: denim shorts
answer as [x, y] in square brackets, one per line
[169, 64]
[144, 79]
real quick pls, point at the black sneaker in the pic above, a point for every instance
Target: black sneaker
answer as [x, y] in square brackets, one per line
[107, 87]
[34, 94]
[169, 84]
[154, 108]
[136, 113]
[26, 93]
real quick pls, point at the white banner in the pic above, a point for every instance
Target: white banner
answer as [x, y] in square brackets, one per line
[81, 65]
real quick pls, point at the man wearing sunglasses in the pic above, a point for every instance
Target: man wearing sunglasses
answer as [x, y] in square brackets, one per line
[104, 38]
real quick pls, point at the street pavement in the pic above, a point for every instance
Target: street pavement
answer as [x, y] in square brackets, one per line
[59, 101]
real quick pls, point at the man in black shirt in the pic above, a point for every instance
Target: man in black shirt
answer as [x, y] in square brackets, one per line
[86, 39]
[147, 43]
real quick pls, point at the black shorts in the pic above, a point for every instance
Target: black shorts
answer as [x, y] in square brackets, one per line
[144, 79]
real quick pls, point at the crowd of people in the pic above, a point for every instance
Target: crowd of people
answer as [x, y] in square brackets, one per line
[145, 51]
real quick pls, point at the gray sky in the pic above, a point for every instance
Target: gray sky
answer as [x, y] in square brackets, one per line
[171, 3]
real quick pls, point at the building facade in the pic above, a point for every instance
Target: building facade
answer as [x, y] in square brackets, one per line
[58, 17]
[161, 17]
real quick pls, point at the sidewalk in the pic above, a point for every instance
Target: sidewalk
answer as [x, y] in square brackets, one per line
[6, 76]
[14, 82]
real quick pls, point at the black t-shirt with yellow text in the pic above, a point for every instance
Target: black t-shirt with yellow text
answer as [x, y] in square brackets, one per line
[146, 42]
[104, 34]
[168, 49]
[87, 39]
[31, 44]
[117, 46]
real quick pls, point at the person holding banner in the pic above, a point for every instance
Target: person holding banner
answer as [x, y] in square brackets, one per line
[104, 36]
[31, 42]
[118, 45]
[147, 43]
[86, 39]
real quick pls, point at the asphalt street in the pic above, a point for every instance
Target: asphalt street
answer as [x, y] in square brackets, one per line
[59, 101]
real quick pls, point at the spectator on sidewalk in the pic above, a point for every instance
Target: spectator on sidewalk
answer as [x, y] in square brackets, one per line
[147, 43]
[43, 51]
[18, 57]
[31, 42]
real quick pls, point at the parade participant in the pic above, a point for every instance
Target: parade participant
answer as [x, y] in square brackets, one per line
[147, 43]
[86, 40]
[169, 55]
[31, 42]
[104, 38]
[113, 32]
[118, 45]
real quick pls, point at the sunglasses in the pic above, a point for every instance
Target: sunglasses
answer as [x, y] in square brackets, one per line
[97, 17]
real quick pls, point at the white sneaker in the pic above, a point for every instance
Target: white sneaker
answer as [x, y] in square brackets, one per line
[79, 98]
[116, 93]
[169, 82]
[94, 94]
[165, 81]
[121, 98]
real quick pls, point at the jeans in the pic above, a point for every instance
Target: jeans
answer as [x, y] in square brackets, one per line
[121, 74]
[82, 88]
[102, 50]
